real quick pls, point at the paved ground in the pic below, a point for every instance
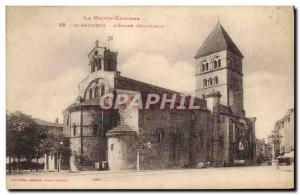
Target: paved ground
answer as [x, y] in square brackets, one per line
[260, 177]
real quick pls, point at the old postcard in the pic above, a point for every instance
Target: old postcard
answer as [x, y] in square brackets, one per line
[150, 97]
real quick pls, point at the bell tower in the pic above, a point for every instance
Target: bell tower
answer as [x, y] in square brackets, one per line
[102, 59]
[219, 70]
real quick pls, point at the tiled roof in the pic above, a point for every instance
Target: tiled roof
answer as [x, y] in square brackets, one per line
[217, 40]
[121, 129]
[134, 85]
[125, 83]
[92, 102]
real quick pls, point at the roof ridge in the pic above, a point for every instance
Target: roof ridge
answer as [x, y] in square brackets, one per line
[217, 40]
[223, 34]
[149, 84]
[228, 39]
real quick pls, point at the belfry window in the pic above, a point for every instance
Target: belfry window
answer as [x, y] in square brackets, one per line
[204, 83]
[219, 62]
[216, 80]
[99, 63]
[92, 68]
[96, 91]
[215, 64]
[204, 65]
[210, 81]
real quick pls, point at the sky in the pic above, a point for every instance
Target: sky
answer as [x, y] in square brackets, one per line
[45, 62]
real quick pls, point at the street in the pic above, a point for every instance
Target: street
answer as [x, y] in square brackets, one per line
[259, 177]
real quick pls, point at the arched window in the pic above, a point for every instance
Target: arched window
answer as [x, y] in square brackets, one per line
[92, 68]
[210, 81]
[219, 62]
[215, 64]
[91, 94]
[204, 83]
[68, 120]
[95, 129]
[216, 80]
[98, 63]
[206, 65]
[96, 91]
[111, 147]
[160, 135]
[74, 130]
[102, 90]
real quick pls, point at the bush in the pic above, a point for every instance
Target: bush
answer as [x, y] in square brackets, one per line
[24, 165]
[82, 162]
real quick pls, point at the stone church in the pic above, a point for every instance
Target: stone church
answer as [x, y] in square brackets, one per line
[217, 134]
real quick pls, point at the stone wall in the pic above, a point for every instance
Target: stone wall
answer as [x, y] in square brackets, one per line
[92, 142]
[173, 139]
[225, 139]
[122, 152]
[201, 145]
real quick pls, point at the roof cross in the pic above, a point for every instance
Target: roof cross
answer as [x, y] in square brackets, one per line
[97, 43]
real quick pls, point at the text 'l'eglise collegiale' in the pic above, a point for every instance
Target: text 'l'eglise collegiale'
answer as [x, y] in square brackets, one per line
[217, 134]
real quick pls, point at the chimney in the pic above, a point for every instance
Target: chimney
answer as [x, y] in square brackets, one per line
[56, 120]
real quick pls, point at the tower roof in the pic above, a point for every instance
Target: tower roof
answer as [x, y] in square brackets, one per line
[216, 41]
[121, 129]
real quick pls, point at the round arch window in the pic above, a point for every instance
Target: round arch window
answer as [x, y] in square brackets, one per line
[96, 93]
[102, 90]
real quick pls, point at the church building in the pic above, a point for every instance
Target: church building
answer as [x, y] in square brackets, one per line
[217, 134]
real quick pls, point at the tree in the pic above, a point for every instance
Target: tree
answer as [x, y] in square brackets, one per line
[24, 136]
[53, 145]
